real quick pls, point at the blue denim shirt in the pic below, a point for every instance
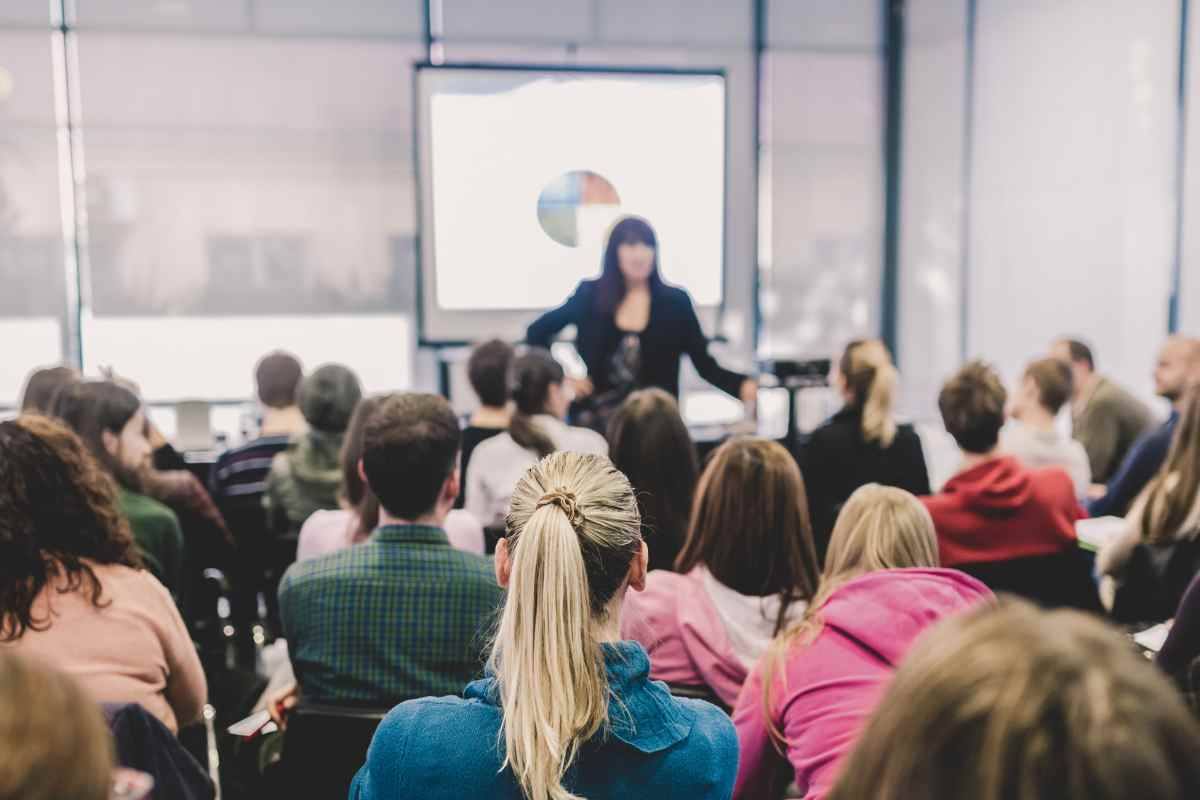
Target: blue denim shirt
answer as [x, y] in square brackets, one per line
[658, 746]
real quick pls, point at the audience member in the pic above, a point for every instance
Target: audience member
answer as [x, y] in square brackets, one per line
[748, 570]
[1105, 418]
[72, 591]
[42, 385]
[305, 477]
[1168, 510]
[54, 740]
[880, 589]
[1009, 701]
[567, 709]
[111, 422]
[862, 443]
[649, 442]
[1182, 647]
[487, 369]
[1032, 436]
[1178, 368]
[353, 523]
[535, 430]
[994, 508]
[402, 614]
[241, 472]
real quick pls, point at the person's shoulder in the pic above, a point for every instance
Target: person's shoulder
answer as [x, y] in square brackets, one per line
[711, 745]
[1055, 483]
[586, 440]
[426, 735]
[322, 569]
[146, 510]
[491, 447]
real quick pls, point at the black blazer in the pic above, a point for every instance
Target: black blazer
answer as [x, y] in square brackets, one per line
[672, 331]
[835, 461]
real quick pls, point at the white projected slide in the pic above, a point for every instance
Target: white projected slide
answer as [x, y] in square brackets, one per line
[523, 172]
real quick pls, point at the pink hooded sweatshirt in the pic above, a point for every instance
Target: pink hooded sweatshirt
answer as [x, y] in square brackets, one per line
[827, 689]
[689, 639]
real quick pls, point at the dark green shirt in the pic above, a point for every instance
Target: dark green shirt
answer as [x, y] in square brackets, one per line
[158, 536]
[401, 615]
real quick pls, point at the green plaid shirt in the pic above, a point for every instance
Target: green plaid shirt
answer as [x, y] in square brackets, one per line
[401, 615]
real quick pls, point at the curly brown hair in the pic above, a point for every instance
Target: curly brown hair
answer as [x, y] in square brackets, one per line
[58, 512]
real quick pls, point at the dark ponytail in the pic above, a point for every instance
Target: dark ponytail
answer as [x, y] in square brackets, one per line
[532, 374]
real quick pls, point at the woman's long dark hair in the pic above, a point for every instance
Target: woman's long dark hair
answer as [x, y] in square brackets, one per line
[750, 527]
[533, 372]
[92, 407]
[611, 286]
[355, 491]
[57, 508]
[649, 442]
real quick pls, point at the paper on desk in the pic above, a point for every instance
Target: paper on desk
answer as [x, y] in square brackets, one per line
[1093, 534]
[1153, 638]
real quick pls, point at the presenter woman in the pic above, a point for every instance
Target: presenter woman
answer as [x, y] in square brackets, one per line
[632, 328]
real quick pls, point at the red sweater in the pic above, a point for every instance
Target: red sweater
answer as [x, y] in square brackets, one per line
[1000, 510]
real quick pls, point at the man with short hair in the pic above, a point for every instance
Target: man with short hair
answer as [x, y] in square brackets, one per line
[404, 614]
[1032, 436]
[995, 509]
[1178, 367]
[1106, 419]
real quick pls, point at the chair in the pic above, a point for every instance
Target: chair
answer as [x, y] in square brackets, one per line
[324, 747]
[491, 535]
[145, 744]
[1059, 580]
[1154, 580]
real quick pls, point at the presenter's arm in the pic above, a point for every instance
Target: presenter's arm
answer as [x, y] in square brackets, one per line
[541, 331]
[696, 346]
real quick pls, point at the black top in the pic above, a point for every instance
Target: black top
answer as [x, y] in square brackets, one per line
[471, 437]
[1183, 643]
[836, 460]
[673, 330]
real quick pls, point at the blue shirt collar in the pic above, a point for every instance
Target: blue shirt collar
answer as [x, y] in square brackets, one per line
[641, 712]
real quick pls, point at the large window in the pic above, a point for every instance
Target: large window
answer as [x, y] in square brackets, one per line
[32, 273]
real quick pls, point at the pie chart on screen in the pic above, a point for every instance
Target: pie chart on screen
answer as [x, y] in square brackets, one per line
[576, 208]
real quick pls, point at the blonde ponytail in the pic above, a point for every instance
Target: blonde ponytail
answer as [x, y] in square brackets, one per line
[870, 375]
[572, 531]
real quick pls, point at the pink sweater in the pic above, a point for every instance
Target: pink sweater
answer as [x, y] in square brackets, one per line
[700, 633]
[134, 649]
[827, 689]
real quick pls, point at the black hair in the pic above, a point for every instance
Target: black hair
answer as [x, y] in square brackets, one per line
[610, 288]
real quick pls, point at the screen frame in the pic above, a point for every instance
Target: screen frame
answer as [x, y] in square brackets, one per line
[711, 316]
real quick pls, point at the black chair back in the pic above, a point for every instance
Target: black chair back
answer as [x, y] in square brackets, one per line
[1154, 580]
[325, 746]
[1059, 580]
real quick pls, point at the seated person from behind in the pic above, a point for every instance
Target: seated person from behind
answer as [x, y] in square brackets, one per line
[1168, 510]
[42, 385]
[403, 614]
[241, 472]
[1010, 702]
[305, 477]
[649, 442]
[567, 708]
[1105, 418]
[880, 590]
[112, 423]
[1178, 368]
[862, 443]
[994, 508]
[53, 737]
[487, 369]
[748, 571]
[541, 400]
[73, 592]
[1032, 437]
[327, 531]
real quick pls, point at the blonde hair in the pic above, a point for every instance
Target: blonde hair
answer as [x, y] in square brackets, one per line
[573, 529]
[871, 378]
[53, 737]
[879, 527]
[1010, 701]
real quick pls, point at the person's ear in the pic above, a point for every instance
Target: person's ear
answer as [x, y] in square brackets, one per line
[638, 568]
[112, 442]
[503, 563]
[452, 486]
[362, 472]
